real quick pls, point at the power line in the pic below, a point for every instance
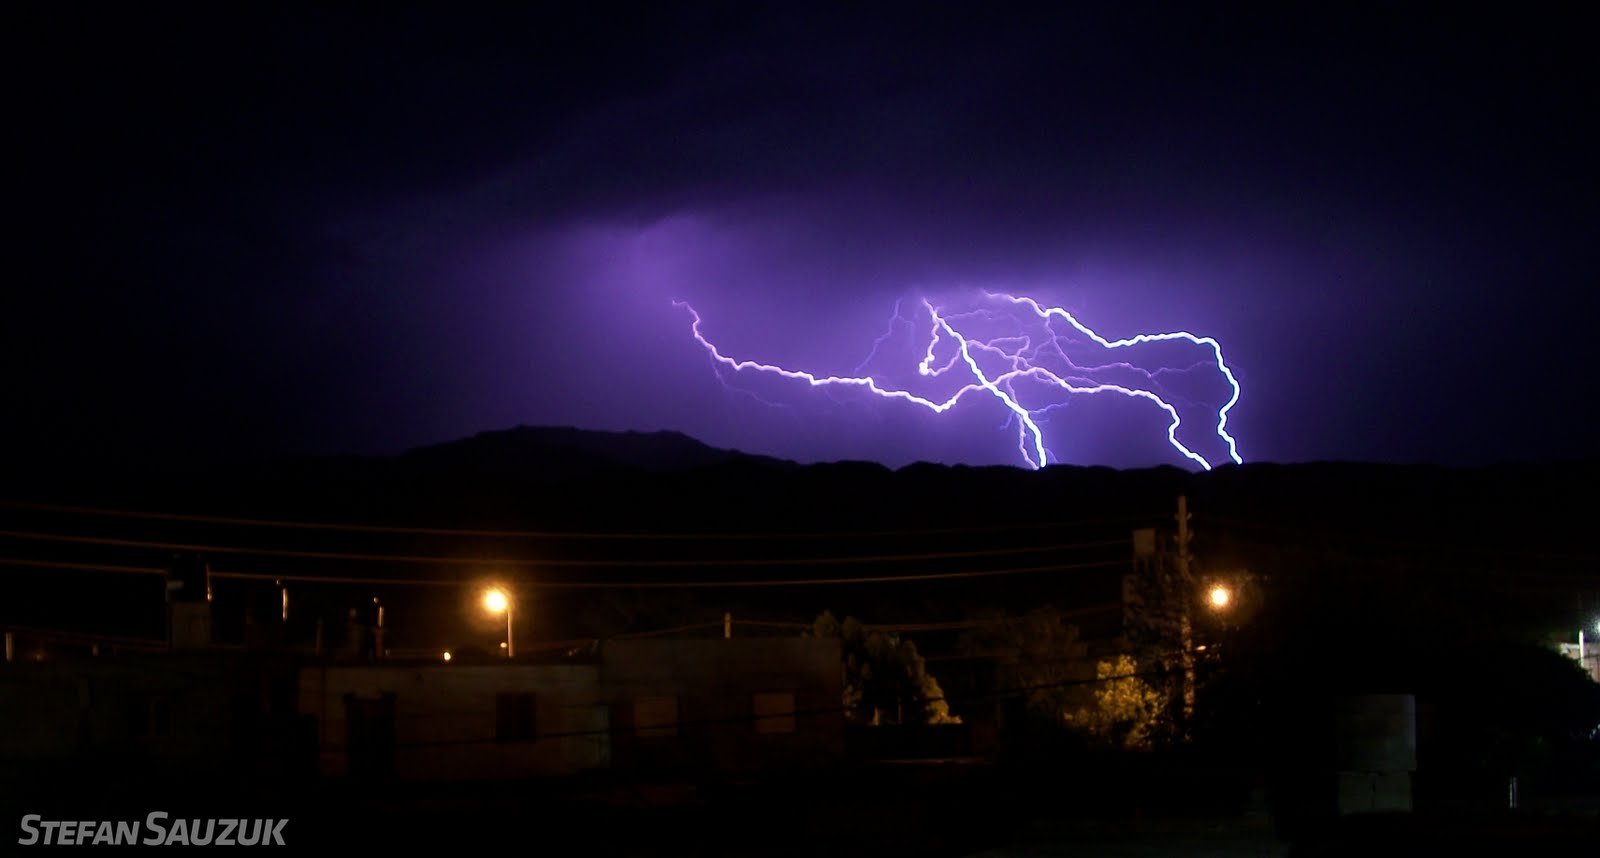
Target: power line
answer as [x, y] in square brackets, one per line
[1341, 537]
[546, 645]
[655, 633]
[551, 534]
[772, 624]
[584, 585]
[953, 625]
[478, 561]
[948, 625]
[34, 633]
[83, 567]
[713, 584]
[1486, 565]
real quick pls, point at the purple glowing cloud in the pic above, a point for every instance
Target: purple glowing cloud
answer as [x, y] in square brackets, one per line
[1026, 356]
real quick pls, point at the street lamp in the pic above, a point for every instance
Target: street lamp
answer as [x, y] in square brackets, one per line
[496, 600]
[1220, 596]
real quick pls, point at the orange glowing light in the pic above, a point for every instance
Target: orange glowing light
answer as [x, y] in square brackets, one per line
[1220, 596]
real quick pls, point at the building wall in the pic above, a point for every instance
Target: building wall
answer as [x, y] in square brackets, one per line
[1375, 752]
[715, 684]
[741, 705]
[447, 718]
[156, 716]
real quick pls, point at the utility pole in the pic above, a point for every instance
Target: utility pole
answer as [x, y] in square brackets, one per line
[1186, 600]
[377, 629]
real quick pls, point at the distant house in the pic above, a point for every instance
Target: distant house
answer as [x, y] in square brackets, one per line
[672, 706]
[737, 705]
[662, 705]
[192, 715]
[438, 721]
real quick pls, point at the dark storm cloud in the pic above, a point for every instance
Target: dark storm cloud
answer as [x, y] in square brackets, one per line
[331, 230]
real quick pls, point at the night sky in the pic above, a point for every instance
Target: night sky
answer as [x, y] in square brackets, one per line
[287, 230]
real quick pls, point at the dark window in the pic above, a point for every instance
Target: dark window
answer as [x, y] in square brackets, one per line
[774, 711]
[161, 716]
[514, 716]
[655, 717]
[280, 694]
[151, 716]
[369, 734]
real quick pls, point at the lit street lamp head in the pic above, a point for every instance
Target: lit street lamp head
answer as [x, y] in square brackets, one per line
[496, 601]
[1220, 596]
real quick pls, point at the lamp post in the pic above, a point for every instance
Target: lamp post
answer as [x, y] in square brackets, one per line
[495, 601]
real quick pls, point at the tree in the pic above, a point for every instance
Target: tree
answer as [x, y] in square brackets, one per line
[885, 679]
[1041, 657]
[1123, 711]
[1038, 653]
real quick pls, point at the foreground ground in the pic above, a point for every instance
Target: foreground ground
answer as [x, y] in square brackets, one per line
[881, 811]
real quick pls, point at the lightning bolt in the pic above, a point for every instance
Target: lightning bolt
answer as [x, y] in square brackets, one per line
[1035, 350]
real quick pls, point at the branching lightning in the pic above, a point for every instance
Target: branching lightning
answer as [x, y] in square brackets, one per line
[1038, 344]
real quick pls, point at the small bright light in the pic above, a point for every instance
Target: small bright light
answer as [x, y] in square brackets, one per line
[447, 655]
[1220, 596]
[502, 644]
[496, 601]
